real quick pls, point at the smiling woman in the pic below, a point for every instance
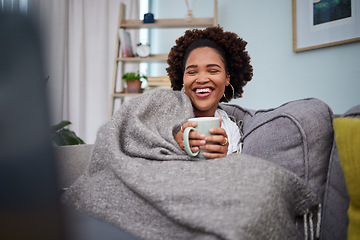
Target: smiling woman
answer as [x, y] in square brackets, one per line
[205, 79]
[210, 66]
[229, 45]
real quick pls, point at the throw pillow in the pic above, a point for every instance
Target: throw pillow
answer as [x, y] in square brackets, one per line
[347, 135]
[297, 135]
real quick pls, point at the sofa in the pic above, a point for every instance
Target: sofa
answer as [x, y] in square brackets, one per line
[303, 136]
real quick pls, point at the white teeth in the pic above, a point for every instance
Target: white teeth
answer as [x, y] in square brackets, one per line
[203, 90]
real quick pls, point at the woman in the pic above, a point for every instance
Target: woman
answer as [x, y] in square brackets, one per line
[210, 66]
[140, 180]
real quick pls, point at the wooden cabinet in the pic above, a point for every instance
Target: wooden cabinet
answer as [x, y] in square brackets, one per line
[137, 24]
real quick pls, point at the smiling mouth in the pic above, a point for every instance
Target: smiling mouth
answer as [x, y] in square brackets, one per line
[203, 91]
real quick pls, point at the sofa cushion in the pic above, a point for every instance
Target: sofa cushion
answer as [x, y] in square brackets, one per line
[347, 134]
[72, 161]
[299, 136]
[336, 201]
[353, 112]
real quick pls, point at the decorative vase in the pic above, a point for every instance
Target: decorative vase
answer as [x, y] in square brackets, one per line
[133, 86]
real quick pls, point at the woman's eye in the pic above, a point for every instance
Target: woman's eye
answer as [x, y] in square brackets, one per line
[191, 72]
[213, 71]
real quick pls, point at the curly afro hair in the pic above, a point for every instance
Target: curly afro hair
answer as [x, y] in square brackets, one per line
[228, 44]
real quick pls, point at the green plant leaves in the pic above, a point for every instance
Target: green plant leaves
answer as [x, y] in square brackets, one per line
[60, 125]
[132, 76]
[62, 136]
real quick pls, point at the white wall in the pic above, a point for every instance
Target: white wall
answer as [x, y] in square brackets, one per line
[331, 74]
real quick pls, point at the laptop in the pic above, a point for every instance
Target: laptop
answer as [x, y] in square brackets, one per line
[29, 189]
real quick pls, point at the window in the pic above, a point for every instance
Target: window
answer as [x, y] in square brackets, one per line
[14, 6]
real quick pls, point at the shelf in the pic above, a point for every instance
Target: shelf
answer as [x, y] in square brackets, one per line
[152, 58]
[120, 62]
[169, 23]
[159, 81]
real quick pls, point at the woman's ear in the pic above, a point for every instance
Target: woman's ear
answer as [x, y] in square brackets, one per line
[227, 80]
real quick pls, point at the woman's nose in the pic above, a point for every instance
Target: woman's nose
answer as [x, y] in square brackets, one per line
[203, 78]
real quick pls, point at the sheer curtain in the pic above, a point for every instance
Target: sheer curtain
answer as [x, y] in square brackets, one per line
[79, 43]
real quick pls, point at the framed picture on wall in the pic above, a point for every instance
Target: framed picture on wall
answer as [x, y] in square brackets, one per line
[324, 23]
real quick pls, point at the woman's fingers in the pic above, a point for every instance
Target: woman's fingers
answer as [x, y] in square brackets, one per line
[188, 124]
[214, 155]
[199, 140]
[215, 150]
[218, 131]
[195, 139]
[220, 148]
[219, 136]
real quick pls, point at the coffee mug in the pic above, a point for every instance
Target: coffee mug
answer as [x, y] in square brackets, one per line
[203, 126]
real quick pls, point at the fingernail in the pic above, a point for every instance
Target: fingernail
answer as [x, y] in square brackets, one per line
[211, 130]
[202, 135]
[202, 142]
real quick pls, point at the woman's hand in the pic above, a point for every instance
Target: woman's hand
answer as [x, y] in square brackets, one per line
[217, 150]
[195, 139]
[198, 141]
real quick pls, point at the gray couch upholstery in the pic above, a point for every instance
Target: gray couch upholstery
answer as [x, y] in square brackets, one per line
[297, 135]
[72, 161]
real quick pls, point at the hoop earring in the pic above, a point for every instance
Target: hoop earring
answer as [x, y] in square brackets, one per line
[233, 93]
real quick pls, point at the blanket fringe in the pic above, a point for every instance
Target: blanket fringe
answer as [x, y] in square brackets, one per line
[305, 227]
[309, 224]
[318, 221]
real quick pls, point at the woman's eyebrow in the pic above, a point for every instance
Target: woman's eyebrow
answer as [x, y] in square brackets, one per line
[190, 66]
[213, 65]
[209, 65]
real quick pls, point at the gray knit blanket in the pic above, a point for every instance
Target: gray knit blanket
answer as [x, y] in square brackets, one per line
[140, 180]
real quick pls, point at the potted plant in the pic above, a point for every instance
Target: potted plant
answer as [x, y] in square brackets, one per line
[133, 81]
[62, 136]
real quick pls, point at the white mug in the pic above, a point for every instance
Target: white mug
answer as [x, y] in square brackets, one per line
[203, 126]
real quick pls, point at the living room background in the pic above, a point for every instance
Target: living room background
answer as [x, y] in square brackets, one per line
[82, 43]
[331, 74]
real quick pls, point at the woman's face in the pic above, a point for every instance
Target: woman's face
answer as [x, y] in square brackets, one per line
[205, 79]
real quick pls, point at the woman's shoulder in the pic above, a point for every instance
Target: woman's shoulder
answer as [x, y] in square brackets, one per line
[222, 113]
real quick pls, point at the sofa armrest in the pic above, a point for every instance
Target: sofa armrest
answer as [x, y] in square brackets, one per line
[71, 162]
